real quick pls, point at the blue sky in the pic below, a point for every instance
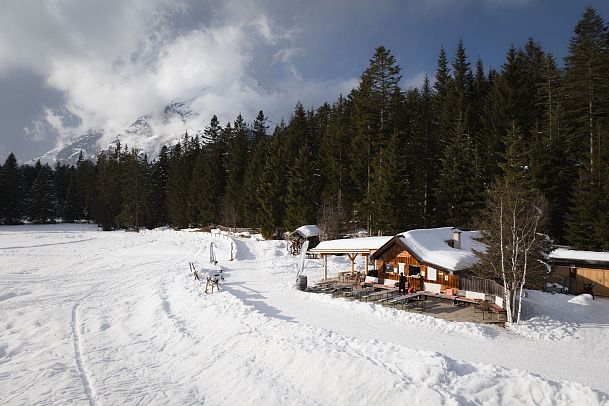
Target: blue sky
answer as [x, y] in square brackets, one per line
[66, 66]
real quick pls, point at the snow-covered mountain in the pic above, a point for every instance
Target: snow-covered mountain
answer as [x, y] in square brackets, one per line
[148, 134]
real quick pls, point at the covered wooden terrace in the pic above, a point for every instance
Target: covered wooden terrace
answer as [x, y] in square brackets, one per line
[351, 247]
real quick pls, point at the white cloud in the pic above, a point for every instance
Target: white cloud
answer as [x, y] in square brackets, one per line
[414, 81]
[115, 60]
[36, 131]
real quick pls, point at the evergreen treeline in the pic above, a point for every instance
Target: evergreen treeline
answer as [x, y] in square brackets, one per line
[382, 158]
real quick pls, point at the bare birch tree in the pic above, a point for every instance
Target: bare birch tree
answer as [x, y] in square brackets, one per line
[512, 225]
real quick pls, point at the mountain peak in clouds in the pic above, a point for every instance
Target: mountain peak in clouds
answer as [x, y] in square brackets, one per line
[178, 109]
[148, 133]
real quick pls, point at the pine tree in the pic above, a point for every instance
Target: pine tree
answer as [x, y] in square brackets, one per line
[441, 100]
[61, 178]
[73, 208]
[177, 189]
[585, 78]
[255, 168]
[460, 90]
[158, 177]
[12, 185]
[385, 201]
[271, 190]
[108, 202]
[456, 201]
[373, 109]
[583, 216]
[232, 204]
[42, 197]
[300, 204]
[132, 212]
[334, 167]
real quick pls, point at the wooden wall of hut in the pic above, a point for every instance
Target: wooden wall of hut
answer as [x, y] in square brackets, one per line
[394, 256]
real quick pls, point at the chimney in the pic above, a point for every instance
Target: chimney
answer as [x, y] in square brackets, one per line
[457, 238]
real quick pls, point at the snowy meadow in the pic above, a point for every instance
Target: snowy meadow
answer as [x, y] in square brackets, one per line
[92, 317]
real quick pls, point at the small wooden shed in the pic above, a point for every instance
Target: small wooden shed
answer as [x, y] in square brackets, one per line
[297, 237]
[429, 258]
[575, 269]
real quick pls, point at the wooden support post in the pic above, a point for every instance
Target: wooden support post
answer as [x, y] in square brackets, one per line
[352, 258]
[325, 267]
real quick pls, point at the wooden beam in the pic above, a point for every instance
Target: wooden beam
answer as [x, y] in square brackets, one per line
[325, 266]
[352, 258]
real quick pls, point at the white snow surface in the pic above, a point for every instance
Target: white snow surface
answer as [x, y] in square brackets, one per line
[584, 299]
[110, 318]
[431, 246]
[355, 244]
[564, 253]
[307, 231]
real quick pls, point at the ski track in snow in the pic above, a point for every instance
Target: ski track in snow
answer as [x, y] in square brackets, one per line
[46, 245]
[154, 337]
[78, 355]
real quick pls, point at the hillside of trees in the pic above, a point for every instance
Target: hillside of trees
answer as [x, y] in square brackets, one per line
[381, 158]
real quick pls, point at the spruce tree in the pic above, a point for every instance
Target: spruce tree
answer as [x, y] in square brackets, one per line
[334, 166]
[236, 162]
[177, 189]
[300, 202]
[12, 198]
[385, 199]
[271, 190]
[132, 190]
[42, 197]
[255, 167]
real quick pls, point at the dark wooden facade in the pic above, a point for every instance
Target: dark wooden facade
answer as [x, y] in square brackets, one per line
[575, 274]
[389, 257]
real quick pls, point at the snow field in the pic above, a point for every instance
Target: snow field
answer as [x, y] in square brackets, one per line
[115, 318]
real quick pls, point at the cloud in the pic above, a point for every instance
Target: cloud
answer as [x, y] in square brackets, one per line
[114, 61]
[414, 81]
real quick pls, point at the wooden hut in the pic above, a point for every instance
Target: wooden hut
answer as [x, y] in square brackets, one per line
[431, 259]
[580, 271]
[297, 237]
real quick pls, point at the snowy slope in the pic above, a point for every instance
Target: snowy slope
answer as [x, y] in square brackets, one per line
[115, 318]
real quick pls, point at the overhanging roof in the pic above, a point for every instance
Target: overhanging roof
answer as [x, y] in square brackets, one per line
[576, 257]
[429, 247]
[364, 245]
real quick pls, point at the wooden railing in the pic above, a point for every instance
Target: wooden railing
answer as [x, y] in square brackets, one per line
[475, 284]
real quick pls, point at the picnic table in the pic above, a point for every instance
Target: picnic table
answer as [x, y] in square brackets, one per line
[462, 300]
[381, 293]
[356, 294]
[404, 298]
[492, 308]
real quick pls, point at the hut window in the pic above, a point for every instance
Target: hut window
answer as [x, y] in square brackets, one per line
[431, 273]
[414, 270]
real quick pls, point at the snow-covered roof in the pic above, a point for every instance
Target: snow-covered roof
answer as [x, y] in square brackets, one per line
[348, 245]
[310, 230]
[575, 255]
[430, 245]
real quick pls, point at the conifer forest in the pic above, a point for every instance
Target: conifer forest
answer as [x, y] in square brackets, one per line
[381, 158]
